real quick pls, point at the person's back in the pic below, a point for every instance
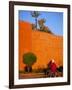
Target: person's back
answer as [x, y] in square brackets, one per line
[53, 67]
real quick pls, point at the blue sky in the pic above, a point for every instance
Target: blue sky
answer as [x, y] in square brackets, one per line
[54, 20]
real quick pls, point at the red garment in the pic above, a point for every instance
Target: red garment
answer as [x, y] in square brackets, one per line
[53, 67]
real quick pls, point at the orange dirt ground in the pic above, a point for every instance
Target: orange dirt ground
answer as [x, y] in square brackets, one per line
[44, 45]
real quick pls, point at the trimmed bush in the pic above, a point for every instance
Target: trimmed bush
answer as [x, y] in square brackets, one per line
[29, 59]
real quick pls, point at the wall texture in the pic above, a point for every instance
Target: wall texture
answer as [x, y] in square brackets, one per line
[44, 45]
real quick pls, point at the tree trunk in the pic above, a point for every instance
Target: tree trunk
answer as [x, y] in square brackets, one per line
[28, 69]
[36, 22]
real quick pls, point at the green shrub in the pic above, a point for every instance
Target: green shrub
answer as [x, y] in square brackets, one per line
[29, 58]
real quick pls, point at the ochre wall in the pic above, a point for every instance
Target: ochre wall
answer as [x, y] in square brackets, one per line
[45, 46]
[25, 41]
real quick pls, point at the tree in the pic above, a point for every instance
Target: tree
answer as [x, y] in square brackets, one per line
[33, 26]
[41, 23]
[43, 27]
[29, 59]
[35, 14]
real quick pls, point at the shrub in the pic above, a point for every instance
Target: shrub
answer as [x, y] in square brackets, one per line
[29, 59]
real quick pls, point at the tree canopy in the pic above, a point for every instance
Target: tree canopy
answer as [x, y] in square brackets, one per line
[29, 58]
